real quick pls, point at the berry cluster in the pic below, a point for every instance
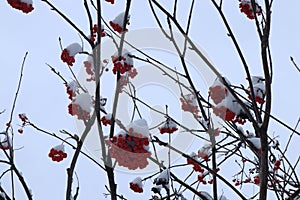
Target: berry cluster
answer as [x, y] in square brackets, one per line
[117, 23]
[106, 120]
[196, 166]
[226, 106]
[121, 65]
[95, 29]
[72, 88]
[224, 113]
[201, 179]
[202, 154]
[129, 150]
[136, 185]
[75, 109]
[168, 127]
[89, 68]
[189, 104]
[246, 7]
[65, 57]
[217, 93]
[57, 153]
[25, 7]
[68, 54]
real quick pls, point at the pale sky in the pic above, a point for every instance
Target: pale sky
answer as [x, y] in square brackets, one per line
[44, 100]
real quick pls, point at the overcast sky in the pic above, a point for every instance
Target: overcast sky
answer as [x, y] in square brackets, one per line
[43, 97]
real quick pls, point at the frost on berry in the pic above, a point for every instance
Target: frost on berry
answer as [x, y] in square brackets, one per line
[246, 7]
[189, 104]
[106, 120]
[68, 54]
[81, 106]
[136, 185]
[117, 23]
[131, 148]
[168, 127]
[57, 153]
[72, 89]
[24, 5]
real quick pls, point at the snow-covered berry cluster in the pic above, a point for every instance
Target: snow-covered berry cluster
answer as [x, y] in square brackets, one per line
[72, 88]
[68, 54]
[106, 120]
[117, 23]
[168, 127]
[24, 5]
[131, 149]
[57, 153]
[227, 108]
[125, 64]
[136, 185]
[189, 104]
[81, 106]
[246, 7]
[196, 166]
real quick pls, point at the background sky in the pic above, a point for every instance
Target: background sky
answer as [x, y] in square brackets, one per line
[43, 99]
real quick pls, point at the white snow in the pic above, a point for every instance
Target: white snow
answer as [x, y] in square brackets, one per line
[5, 141]
[259, 89]
[256, 79]
[73, 85]
[190, 99]
[60, 147]
[169, 124]
[138, 181]
[74, 49]
[120, 18]
[27, 1]
[255, 141]
[84, 100]
[163, 178]
[108, 116]
[140, 126]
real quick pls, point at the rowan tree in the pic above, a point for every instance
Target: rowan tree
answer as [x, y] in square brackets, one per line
[234, 150]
